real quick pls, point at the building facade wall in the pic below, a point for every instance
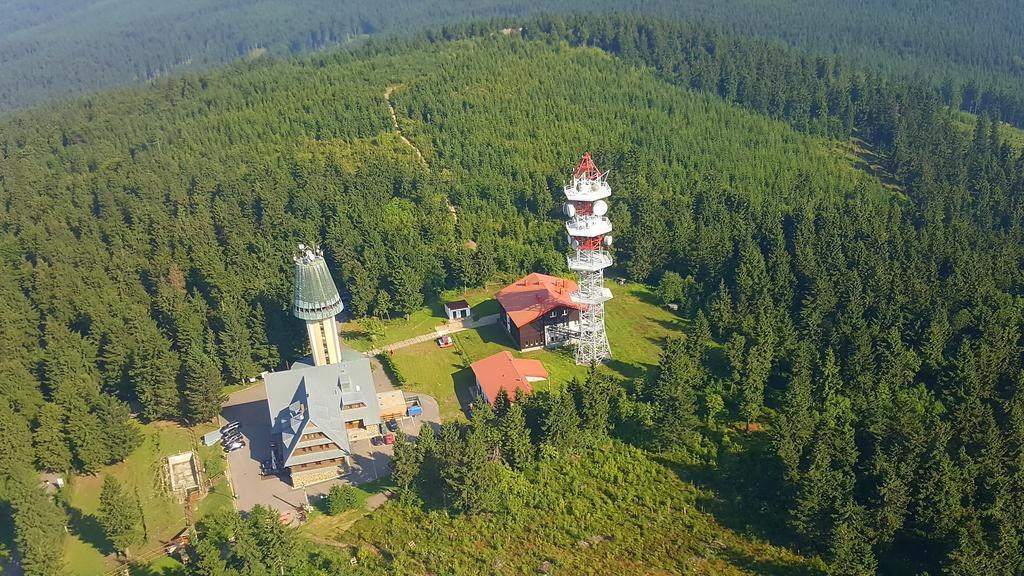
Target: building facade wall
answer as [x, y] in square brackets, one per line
[324, 342]
[313, 475]
[532, 335]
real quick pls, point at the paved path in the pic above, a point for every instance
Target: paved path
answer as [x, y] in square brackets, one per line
[449, 328]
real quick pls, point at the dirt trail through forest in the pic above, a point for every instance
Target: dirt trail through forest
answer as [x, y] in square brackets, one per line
[394, 122]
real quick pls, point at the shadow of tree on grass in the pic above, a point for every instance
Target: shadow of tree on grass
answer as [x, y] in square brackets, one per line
[743, 490]
[87, 528]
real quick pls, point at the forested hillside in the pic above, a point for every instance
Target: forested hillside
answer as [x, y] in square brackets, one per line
[67, 47]
[866, 336]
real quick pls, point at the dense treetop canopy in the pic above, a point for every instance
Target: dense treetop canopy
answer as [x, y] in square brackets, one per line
[70, 46]
[849, 254]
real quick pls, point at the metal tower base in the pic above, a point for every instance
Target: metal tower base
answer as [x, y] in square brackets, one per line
[592, 346]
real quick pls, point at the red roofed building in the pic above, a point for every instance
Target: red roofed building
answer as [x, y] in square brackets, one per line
[502, 371]
[538, 311]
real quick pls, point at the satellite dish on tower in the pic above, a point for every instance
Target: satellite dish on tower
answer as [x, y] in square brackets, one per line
[575, 244]
[569, 210]
[600, 208]
[608, 241]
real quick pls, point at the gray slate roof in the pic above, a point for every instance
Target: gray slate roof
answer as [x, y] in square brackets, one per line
[316, 296]
[305, 400]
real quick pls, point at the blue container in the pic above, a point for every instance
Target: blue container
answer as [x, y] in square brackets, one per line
[415, 410]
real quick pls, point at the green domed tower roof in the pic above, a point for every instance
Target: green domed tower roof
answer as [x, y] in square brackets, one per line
[316, 296]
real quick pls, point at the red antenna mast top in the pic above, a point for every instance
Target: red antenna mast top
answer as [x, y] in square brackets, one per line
[587, 168]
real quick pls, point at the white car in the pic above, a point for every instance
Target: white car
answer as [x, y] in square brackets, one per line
[236, 445]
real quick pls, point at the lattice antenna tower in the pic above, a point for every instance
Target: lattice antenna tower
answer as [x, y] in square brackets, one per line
[589, 237]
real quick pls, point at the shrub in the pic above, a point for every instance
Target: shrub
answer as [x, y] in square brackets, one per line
[341, 499]
[391, 368]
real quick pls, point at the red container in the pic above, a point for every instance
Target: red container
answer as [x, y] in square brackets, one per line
[389, 438]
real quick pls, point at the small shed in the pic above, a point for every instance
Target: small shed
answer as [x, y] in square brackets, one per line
[456, 310]
[211, 438]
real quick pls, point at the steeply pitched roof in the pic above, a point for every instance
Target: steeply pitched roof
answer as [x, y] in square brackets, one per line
[502, 371]
[530, 297]
[306, 400]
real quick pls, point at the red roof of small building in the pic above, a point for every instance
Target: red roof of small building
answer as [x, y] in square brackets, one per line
[456, 305]
[532, 296]
[502, 371]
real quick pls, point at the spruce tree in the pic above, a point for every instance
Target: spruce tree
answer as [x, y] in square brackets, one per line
[674, 395]
[406, 462]
[206, 560]
[154, 372]
[86, 435]
[39, 528]
[121, 434]
[202, 385]
[516, 448]
[51, 447]
[119, 515]
[850, 546]
[562, 423]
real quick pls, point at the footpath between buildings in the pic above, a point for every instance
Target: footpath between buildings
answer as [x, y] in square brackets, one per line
[449, 328]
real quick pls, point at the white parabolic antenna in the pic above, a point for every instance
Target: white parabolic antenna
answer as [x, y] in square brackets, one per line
[569, 210]
[607, 240]
[600, 208]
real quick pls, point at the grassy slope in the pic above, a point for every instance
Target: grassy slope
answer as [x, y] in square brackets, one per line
[86, 550]
[608, 510]
[1010, 134]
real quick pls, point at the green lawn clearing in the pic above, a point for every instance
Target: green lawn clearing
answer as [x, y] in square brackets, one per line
[422, 321]
[86, 550]
[637, 327]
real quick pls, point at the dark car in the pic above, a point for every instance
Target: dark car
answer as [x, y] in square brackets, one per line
[230, 437]
[229, 427]
[392, 425]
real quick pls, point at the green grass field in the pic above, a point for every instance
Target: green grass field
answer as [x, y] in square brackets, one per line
[422, 321]
[637, 327]
[87, 551]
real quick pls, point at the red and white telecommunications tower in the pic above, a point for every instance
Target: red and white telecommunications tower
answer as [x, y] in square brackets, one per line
[589, 236]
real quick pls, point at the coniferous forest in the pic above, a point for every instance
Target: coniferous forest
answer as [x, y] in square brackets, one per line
[852, 251]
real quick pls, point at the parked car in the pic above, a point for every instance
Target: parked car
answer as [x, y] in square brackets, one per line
[389, 439]
[231, 437]
[392, 425]
[236, 445]
[230, 426]
[445, 341]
